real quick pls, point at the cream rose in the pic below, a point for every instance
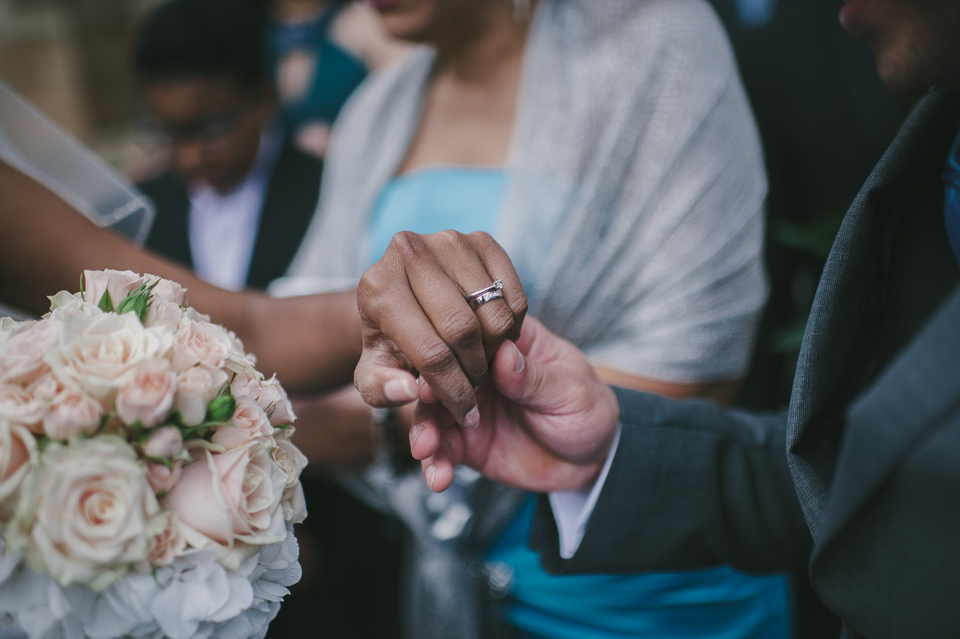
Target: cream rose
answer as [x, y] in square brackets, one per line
[65, 304]
[197, 386]
[146, 394]
[163, 478]
[165, 290]
[118, 283]
[21, 407]
[249, 422]
[200, 343]
[98, 352]
[269, 395]
[231, 498]
[72, 412]
[86, 513]
[163, 313]
[164, 443]
[169, 544]
[22, 353]
[18, 449]
[292, 462]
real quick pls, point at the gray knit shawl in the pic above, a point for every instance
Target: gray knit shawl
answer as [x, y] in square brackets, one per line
[633, 210]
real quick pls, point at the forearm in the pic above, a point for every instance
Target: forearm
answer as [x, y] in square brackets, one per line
[312, 342]
[45, 245]
[691, 486]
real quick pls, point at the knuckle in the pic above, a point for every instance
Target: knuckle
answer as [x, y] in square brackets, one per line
[481, 238]
[373, 280]
[500, 322]
[459, 329]
[406, 245]
[450, 237]
[435, 357]
[518, 304]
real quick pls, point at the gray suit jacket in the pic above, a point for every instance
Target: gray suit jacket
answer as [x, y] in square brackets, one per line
[866, 495]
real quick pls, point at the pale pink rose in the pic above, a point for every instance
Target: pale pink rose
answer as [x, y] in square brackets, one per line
[231, 497]
[197, 386]
[86, 513]
[194, 315]
[169, 544]
[17, 449]
[99, 352]
[246, 385]
[65, 304]
[22, 353]
[164, 443]
[147, 393]
[162, 313]
[163, 478]
[118, 283]
[200, 343]
[269, 395]
[22, 408]
[249, 422]
[239, 361]
[292, 462]
[72, 412]
[45, 388]
[166, 290]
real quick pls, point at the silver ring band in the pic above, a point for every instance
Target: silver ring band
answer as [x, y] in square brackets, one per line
[486, 294]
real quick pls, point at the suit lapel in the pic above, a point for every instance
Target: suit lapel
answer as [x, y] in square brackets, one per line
[908, 402]
[288, 208]
[825, 381]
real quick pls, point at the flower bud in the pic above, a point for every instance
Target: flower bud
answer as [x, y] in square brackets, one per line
[164, 443]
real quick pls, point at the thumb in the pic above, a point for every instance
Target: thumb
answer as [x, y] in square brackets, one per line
[516, 377]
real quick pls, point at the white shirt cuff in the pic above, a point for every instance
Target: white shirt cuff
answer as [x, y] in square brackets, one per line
[572, 508]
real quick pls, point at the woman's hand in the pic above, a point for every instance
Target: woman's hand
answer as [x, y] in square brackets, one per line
[417, 322]
[546, 420]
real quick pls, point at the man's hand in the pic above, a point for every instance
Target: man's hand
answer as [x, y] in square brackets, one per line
[546, 421]
[416, 322]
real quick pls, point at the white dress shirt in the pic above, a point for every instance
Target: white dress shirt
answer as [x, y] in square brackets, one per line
[223, 228]
[572, 508]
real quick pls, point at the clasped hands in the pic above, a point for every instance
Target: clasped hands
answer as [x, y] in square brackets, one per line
[495, 392]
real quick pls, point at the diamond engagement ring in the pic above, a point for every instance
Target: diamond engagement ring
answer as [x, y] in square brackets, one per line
[484, 295]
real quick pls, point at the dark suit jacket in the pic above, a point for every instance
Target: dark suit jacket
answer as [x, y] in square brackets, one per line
[866, 495]
[288, 207]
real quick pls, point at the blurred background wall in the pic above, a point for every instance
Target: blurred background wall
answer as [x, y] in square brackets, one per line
[70, 58]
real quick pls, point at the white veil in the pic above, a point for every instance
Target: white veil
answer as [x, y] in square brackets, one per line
[33, 144]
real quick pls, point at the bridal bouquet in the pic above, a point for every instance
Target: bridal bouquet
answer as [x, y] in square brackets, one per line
[148, 485]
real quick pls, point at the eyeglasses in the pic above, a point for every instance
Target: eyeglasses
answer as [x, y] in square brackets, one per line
[211, 132]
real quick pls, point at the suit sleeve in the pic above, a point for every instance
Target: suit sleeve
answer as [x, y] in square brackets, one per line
[691, 486]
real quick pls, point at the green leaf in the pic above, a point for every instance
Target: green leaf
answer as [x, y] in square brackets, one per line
[105, 304]
[221, 408]
[284, 426]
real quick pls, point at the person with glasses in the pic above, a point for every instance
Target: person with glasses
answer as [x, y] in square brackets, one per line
[238, 196]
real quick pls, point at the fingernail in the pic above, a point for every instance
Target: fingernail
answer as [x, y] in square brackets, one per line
[430, 474]
[472, 419]
[518, 361]
[415, 431]
[400, 390]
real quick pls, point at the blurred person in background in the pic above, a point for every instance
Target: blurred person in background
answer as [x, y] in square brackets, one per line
[320, 50]
[610, 147]
[238, 196]
[234, 207]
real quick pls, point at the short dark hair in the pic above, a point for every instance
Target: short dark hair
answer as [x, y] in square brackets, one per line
[203, 38]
